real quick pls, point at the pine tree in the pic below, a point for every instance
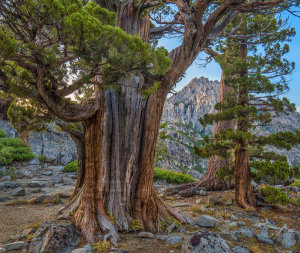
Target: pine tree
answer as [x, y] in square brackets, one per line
[256, 74]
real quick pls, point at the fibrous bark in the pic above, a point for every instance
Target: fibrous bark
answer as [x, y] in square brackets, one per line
[210, 181]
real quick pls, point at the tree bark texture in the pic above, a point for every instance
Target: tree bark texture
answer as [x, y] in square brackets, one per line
[242, 181]
[210, 181]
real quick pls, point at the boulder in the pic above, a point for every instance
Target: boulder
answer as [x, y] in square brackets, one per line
[13, 246]
[18, 192]
[146, 235]
[206, 221]
[215, 201]
[7, 184]
[240, 249]
[285, 238]
[57, 236]
[5, 178]
[35, 184]
[174, 239]
[205, 242]
[263, 237]
[245, 232]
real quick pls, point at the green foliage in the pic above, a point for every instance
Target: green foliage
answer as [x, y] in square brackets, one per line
[276, 171]
[255, 81]
[136, 225]
[62, 39]
[296, 183]
[172, 177]
[42, 159]
[276, 196]
[226, 174]
[71, 167]
[101, 247]
[2, 133]
[13, 149]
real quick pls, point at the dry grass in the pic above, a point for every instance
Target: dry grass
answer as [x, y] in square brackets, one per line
[255, 249]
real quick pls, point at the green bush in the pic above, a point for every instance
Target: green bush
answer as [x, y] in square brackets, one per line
[274, 195]
[296, 183]
[42, 159]
[172, 177]
[13, 149]
[71, 167]
[2, 133]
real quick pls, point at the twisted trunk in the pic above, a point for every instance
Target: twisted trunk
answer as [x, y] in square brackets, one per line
[210, 181]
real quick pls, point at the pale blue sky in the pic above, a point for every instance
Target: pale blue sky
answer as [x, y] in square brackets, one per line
[213, 72]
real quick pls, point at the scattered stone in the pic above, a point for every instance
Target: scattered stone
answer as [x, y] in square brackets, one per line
[18, 192]
[203, 192]
[181, 204]
[233, 217]
[242, 223]
[174, 239]
[205, 242]
[229, 202]
[206, 221]
[246, 232]
[13, 246]
[7, 184]
[264, 237]
[233, 224]
[35, 184]
[215, 201]
[5, 178]
[3, 199]
[85, 249]
[37, 190]
[297, 236]
[162, 237]
[146, 235]
[285, 238]
[171, 191]
[256, 187]
[240, 249]
[58, 237]
[198, 201]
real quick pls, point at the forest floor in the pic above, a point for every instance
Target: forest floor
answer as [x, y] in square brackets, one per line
[14, 218]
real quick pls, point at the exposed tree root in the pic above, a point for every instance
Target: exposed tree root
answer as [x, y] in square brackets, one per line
[72, 205]
[207, 183]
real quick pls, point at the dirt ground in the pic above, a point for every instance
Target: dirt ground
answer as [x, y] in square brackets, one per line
[14, 219]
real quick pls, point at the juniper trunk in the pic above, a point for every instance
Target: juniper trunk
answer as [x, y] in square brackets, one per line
[210, 181]
[242, 181]
[120, 144]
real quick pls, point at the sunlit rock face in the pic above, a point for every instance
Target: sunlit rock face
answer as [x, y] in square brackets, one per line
[56, 146]
[182, 112]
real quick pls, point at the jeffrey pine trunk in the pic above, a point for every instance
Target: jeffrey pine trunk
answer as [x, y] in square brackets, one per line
[210, 181]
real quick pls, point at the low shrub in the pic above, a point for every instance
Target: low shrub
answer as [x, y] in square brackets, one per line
[274, 195]
[42, 159]
[13, 149]
[71, 167]
[296, 183]
[172, 177]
